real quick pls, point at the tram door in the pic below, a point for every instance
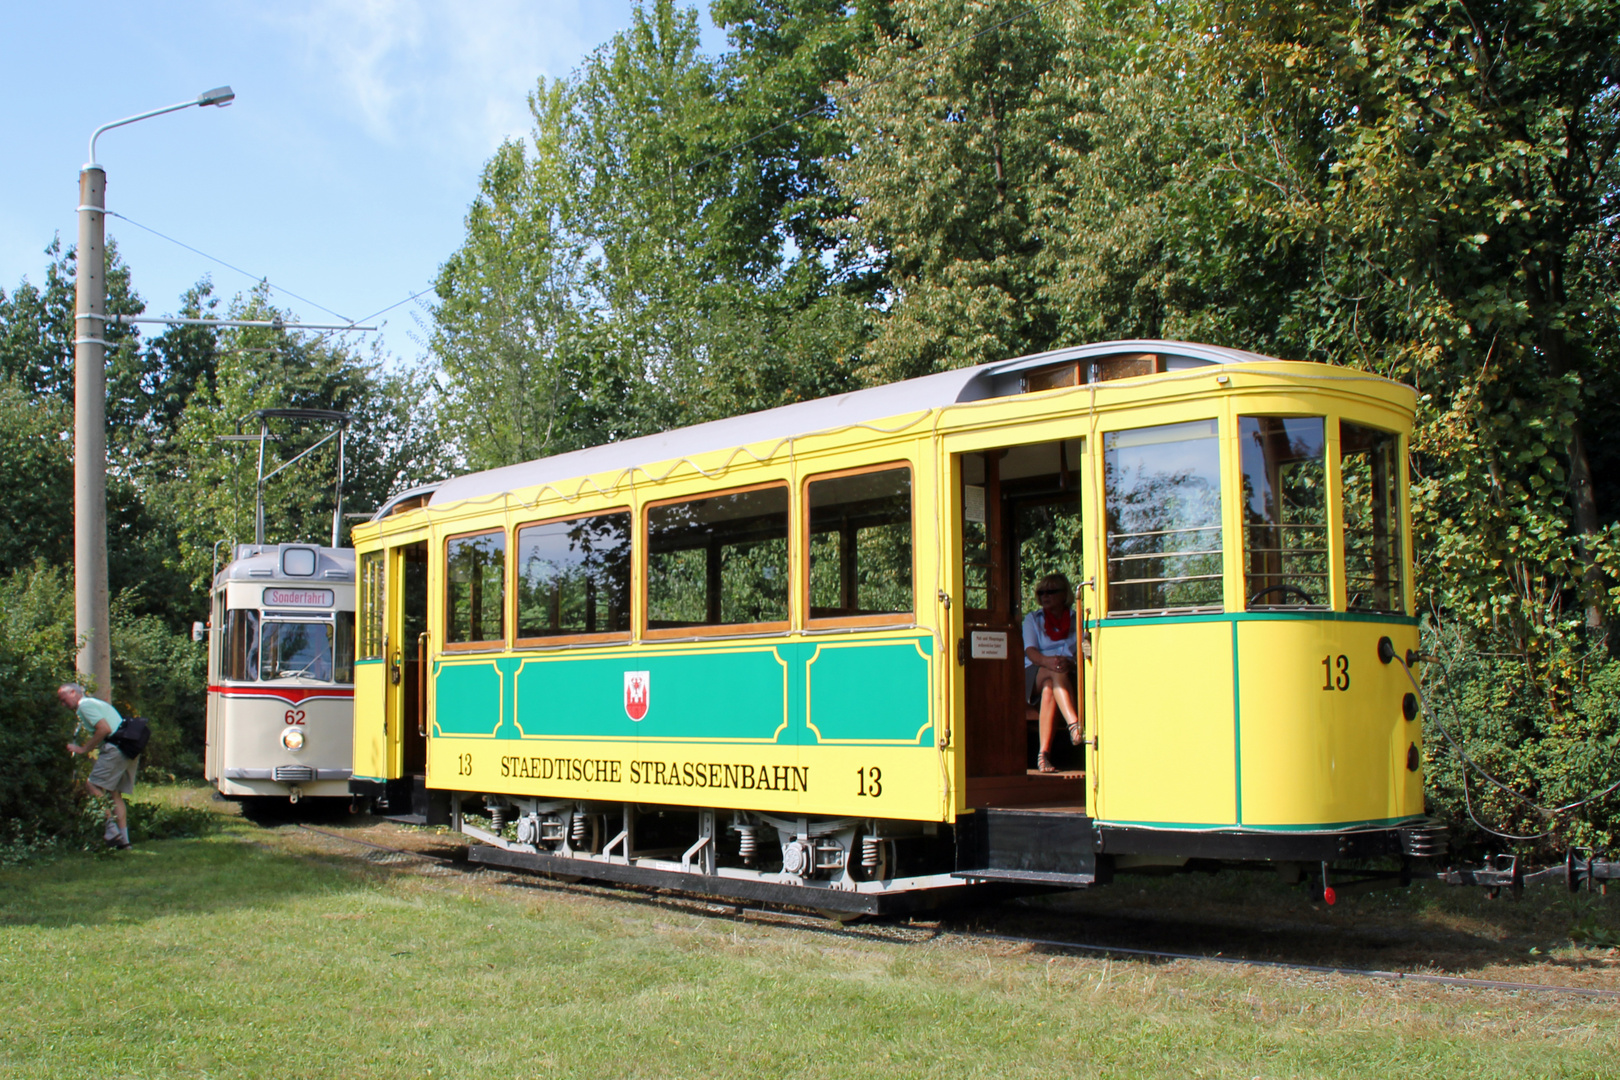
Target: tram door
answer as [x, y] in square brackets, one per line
[1020, 520]
[405, 696]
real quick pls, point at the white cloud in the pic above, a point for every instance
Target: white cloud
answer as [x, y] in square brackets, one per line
[449, 75]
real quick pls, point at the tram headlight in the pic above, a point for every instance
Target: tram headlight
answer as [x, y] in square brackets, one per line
[292, 739]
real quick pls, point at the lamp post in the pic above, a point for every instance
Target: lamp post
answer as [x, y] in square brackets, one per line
[90, 603]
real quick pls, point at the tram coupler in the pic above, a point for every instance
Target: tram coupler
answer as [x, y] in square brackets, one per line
[1580, 869]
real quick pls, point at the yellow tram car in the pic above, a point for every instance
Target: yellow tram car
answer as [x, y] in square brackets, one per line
[783, 652]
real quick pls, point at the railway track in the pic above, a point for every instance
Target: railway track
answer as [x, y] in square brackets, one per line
[915, 933]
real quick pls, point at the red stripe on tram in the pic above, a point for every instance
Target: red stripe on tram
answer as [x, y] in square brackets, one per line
[292, 695]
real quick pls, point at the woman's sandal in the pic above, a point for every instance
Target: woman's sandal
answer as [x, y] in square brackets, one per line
[1077, 733]
[1044, 763]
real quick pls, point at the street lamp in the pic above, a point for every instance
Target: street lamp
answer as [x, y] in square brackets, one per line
[90, 603]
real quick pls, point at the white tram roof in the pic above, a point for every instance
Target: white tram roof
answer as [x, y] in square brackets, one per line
[999, 379]
[287, 562]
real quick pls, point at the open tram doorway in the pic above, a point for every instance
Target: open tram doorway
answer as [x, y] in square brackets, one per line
[406, 704]
[1021, 520]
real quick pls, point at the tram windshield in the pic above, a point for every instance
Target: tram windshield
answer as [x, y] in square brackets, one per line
[289, 650]
[261, 649]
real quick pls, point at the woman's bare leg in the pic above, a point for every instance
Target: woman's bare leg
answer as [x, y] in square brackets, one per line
[1048, 713]
[1064, 693]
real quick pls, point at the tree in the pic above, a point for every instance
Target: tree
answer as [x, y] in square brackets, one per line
[950, 140]
[36, 471]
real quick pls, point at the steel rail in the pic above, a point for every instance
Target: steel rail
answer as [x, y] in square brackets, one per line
[712, 907]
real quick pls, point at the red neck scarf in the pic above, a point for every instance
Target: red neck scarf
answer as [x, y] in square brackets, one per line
[1058, 624]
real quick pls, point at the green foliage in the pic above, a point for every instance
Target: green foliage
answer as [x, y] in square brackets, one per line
[955, 144]
[172, 492]
[636, 268]
[161, 674]
[36, 656]
[36, 467]
[1590, 931]
[157, 673]
[1552, 743]
[211, 498]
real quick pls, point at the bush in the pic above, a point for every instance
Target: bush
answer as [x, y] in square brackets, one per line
[159, 674]
[1548, 729]
[163, 676]
[36, 656]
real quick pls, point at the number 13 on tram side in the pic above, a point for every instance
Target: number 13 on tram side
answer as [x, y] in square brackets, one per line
[281, 676]
[783, 657]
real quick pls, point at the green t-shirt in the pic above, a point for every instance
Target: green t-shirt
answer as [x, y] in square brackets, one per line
[91, 710]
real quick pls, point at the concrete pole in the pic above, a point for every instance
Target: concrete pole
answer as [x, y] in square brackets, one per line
[91, 618]
[90, 604]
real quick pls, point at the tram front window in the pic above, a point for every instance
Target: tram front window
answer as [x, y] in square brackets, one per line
[1369, 463]
[295, 650]
[1284, 511]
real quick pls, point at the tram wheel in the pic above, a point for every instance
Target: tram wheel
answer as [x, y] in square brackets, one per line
[844, 918]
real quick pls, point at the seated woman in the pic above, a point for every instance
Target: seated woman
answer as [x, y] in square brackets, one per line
[1049, 664]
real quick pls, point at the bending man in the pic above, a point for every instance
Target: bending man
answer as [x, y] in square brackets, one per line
[113, 774]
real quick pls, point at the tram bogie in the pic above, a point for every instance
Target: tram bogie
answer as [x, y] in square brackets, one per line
[280, 675]
[786, 651]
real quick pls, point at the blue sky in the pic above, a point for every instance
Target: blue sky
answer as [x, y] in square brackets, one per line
[342, 171]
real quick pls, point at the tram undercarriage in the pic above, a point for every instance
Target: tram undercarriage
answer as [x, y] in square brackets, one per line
[844, 865]
[848, 867]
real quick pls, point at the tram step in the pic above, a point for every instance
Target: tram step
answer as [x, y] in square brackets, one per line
[1029, 846]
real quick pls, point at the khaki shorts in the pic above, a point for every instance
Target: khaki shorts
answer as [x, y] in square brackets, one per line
[113, 771]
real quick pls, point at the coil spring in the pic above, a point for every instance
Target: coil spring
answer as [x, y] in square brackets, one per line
[497, 818]
[576, 830]
[747, 842]
[869, 851]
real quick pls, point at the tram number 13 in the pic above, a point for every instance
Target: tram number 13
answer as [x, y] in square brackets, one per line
[1336, 672]
[463, 764]
[869, 782]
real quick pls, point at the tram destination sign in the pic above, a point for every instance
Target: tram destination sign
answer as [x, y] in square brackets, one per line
[297, 598]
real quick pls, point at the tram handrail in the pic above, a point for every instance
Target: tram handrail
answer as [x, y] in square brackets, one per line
[421, 683]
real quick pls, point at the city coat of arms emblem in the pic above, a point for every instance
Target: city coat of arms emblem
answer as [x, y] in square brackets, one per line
[637, 693]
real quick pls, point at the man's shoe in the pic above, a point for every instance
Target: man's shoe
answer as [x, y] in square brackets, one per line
[111, 833]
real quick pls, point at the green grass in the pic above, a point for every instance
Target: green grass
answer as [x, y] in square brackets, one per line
[262, 953]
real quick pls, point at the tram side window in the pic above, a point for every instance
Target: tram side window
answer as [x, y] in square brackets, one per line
[860, 545]
[718, 561]
[373, 590]
[1370, 469]
[1162, 488]
[1284, 511]
[475, 600]
[343, 656]
[242, 644]
[573, 577]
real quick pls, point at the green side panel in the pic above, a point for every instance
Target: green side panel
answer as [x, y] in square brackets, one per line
[469, 697]
[738, 693]
[862, 691]
[871, 691]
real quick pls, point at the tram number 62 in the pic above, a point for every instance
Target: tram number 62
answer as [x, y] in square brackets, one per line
[1340, 681]
[869, 782]
[294, 716]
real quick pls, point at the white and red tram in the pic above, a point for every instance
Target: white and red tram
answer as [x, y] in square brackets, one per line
[281, 675]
